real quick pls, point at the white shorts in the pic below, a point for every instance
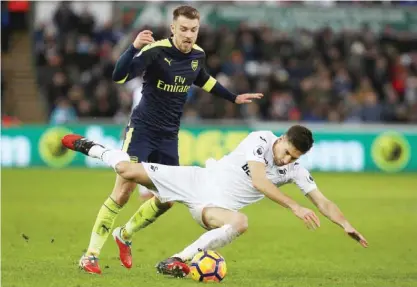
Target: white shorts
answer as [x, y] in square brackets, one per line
[189, 185]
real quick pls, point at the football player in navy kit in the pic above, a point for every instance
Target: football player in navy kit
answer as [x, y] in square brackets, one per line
[169, 68]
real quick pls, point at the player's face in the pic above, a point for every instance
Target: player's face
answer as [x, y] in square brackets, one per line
[185, 33]
[285, 152]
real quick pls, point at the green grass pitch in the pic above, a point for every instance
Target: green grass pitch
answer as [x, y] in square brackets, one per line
[55, 210]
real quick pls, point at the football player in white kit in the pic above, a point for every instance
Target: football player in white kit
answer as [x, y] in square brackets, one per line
[214, 195]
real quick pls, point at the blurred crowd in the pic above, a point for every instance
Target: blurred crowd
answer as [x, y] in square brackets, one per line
[75, 62]
[315, 76]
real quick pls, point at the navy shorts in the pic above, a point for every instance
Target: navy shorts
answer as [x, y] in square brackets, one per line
[143, 145]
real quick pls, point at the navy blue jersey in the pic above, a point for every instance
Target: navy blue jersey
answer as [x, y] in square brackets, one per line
[168, 75]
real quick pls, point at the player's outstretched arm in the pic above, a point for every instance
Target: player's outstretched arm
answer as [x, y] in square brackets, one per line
[265, 186]
[332, 212]
[211, 85]
[128, 66]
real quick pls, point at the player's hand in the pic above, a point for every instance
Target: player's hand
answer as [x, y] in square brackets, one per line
[356, 236]
[247, 98]
[308, 216]
[143, 38]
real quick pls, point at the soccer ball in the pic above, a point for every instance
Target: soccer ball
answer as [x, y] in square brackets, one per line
[208, 266]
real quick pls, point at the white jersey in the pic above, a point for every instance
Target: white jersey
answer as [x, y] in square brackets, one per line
[231, 176]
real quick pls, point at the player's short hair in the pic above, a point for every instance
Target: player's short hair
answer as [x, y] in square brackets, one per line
[186, 11]
[300, 137]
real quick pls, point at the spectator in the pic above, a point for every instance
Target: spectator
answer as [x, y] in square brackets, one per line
[5, 27]
[371, 110]
[63, 112]
[65, 19]
[86, 22]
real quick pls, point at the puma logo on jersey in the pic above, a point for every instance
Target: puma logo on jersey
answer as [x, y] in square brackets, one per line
[263, 139]
[107, 229]
[168, 61]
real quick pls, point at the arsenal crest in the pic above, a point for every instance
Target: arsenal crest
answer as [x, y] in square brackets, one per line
[194, 64]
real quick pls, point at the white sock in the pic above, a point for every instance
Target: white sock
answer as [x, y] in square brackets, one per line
[212, 239]
[113, 157]
[108, 156]
[96, 151]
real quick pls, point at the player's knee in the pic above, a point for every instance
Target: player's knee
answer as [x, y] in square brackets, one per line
[126, 170]
[240, 223]
[121, 168]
